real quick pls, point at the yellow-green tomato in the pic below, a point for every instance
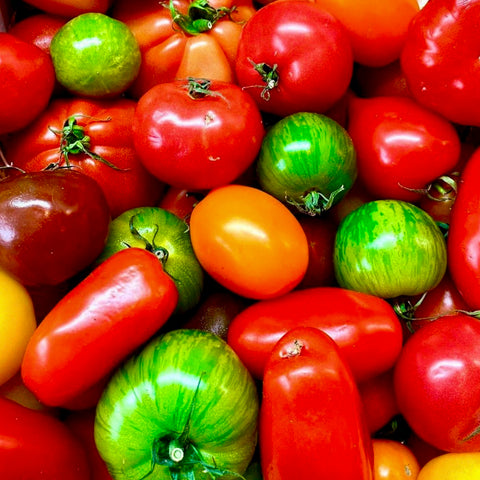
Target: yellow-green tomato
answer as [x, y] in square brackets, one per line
[452, 466]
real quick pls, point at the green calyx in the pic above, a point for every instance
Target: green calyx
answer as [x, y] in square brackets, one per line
[314, 202]
[269, 75]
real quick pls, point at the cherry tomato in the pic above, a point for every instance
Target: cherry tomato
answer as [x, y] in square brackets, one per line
[393, 461]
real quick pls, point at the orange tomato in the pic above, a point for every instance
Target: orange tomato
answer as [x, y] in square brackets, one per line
[249, 242]
[393, 460]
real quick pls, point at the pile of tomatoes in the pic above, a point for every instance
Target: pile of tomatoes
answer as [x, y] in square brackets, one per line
[239, 239]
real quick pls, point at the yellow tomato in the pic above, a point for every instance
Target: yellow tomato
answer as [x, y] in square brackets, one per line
[17, 324]
[393, 461]
[452, 466]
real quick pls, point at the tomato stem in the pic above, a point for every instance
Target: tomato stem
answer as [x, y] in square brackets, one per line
[314, 202]
[270, 78]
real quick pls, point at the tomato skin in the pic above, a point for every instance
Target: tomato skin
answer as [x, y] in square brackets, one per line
[108, 125]
[71, 8]
[359, 323]
[439, 59]
[452, 466]
[437, 383]
[96, 325]
[313, 79]
[27, 80]
[311, 416]
[393, 461]
[36, 445]
[249, 242]
[401, 146]
[180, 137]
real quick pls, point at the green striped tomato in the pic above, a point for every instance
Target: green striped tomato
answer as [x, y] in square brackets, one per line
[389, 248]
[308, 160]
[184, 407]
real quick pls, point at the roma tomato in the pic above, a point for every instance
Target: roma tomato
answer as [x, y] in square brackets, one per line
[188, 39]
[249, 242]
[393, 461]
[27, 79]
[437, 383]
[389, 248]
[94, 136]
[180, 133]
[294, 56]
[452, 466]
[365, 327]
[401, 146]
[312, 423]
[195, 404]
[102, 320]
[71, 8]
[36, 445]
[439, 59]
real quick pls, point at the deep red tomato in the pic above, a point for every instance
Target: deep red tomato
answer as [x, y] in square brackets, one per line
[94, 136]
[437, 383]
[37, 445]
[197, 134]
[440, 60]
[27, 79]
[294, 56]
[179, 201]
[401, 146]
[71, 8]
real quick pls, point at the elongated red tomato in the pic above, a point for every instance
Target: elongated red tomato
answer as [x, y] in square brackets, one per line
[365, 327]
[312, 422]
[116, 308]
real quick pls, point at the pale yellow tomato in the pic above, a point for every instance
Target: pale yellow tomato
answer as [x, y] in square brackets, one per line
[17, 324]
[452, 466]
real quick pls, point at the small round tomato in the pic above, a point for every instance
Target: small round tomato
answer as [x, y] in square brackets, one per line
[393, 460]
[249, 242]
[452, 466]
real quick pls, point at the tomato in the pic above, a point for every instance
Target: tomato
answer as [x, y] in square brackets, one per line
[106, 50]
[179, 201]
[17, 324]
[32, 206]
[377, 33]
[311, 416]
[294, 56]
[401, 146]
[190, 38]
[194, 403]
[393, 461]
[422, 450]
[439, 59]
[389, 248]
[36, 445]
[103, 319]
[168, 237]
[94, 136]
[365, 327]
[249, 242]
[27, 79]
[179, 132]
[452, 466]
[437, 383]
[71, 8]
[307, 160]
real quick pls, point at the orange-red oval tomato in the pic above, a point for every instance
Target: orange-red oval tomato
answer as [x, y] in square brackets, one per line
[393, 460]
[249, 242]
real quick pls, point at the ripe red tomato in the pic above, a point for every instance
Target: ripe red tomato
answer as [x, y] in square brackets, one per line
[71, 8]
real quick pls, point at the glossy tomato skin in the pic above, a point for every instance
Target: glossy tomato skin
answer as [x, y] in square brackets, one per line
[181, 137]
[37, 445]
[401, 146]
[452, 466]
[105, 126]
[313, 79]
[312, 423]
[193, 401]
[439, 59]
[102, 320]
[437, 380]
[32, 206]
[71, 8]
[393, 460]
[249, 242]
[365, 328]
[27, 80]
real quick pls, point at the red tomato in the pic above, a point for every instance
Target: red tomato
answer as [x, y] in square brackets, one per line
[196, 39]
[27, 79]
[312, 423]
[71, 8]
[197, 134]
[437, 383]
[179, 201]
[401, 147]
[36, 445]
[440, 60]
[102, 320]
[294, 56]
[96, 137]
[365, 328]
